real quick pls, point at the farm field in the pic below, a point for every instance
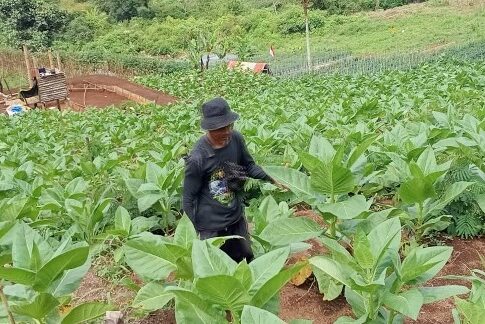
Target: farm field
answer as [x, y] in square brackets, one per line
[385, 206]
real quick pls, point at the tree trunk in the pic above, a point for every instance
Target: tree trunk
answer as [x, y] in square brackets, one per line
[378, 3]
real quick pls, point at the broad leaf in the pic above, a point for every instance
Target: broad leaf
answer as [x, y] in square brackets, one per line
[385, 240]
[152, 297]
[254, 315]
[267, 266]
[146, 258]
[86, 312]
[332, 269]
[296, 181]
[199, 310]
[147, 200]
[69, 281]
[185, 232]
[347, 209]
[274, 285]
[209, 260]
[423, 264]
[290, 230]
[329, 287]
[244, 275]
[362, 251]
[56, 266]
[416, 190]
[434, 294]
[17, 275]
[329, 178]
[321, 148]
[122, 220]
[42, 305]
[223, 290]
[408, 303]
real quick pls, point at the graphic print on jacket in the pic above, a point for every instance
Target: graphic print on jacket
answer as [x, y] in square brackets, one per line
[219, 189]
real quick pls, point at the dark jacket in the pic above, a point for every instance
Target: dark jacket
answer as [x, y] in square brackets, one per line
[207, 199]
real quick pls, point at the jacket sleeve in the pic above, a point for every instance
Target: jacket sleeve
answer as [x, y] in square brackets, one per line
[191, 187]
[253, 170]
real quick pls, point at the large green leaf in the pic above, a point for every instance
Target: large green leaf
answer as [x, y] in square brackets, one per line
[434, 294]
[329, 287]
[223, 290]
[122, 220]
[385, 240]
[296, 181]
[427, 162]
[347, 209]
[209, 260]
[42, 305]
[321, 148]
[186, 312]
[416, 190]
[254, 315]
[193, 308]
[244, 275]
[451, 193]
[267, 266]
[185, 232]
[56, 266]
[147, 200]
[423, 264]
[473, 314]
[17, 275]
[146, 258]
[151, 297]
[328, 178]
[332, 269]
[408, 303]
[274, 285]
[290, 230]
[362, 251]
[69, 281]
[86, 312]
[360, 149]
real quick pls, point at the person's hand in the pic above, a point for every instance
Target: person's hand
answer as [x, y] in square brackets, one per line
[281, 186]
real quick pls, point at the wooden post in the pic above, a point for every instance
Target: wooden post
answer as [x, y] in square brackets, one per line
[34, 60]
[27, 64]
[58, 57]
[51, 61]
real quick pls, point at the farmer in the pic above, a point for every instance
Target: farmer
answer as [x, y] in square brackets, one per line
[215, 171]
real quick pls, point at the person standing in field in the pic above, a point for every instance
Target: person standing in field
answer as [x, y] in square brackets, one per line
[215, 171]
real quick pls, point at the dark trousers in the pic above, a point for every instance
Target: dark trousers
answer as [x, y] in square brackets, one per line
[237, 249]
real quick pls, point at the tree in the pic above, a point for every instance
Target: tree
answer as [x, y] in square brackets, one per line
[122, 10]
[32, 22]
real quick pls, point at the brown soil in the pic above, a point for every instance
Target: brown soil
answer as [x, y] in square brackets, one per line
[305, 301]
[158, 97]
[102, 98]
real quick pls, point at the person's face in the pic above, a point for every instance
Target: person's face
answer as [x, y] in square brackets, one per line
[222, 135]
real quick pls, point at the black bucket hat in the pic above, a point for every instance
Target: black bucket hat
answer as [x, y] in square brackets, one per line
[216, 114]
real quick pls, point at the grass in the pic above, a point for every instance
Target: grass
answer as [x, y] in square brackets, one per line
[413, 27]
[75, 5]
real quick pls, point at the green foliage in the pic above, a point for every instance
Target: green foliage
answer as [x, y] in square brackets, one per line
[467, 215]
[375, 269]
[121, 10]
[32, 22]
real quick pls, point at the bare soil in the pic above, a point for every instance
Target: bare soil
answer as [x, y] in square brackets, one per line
[102, 98]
